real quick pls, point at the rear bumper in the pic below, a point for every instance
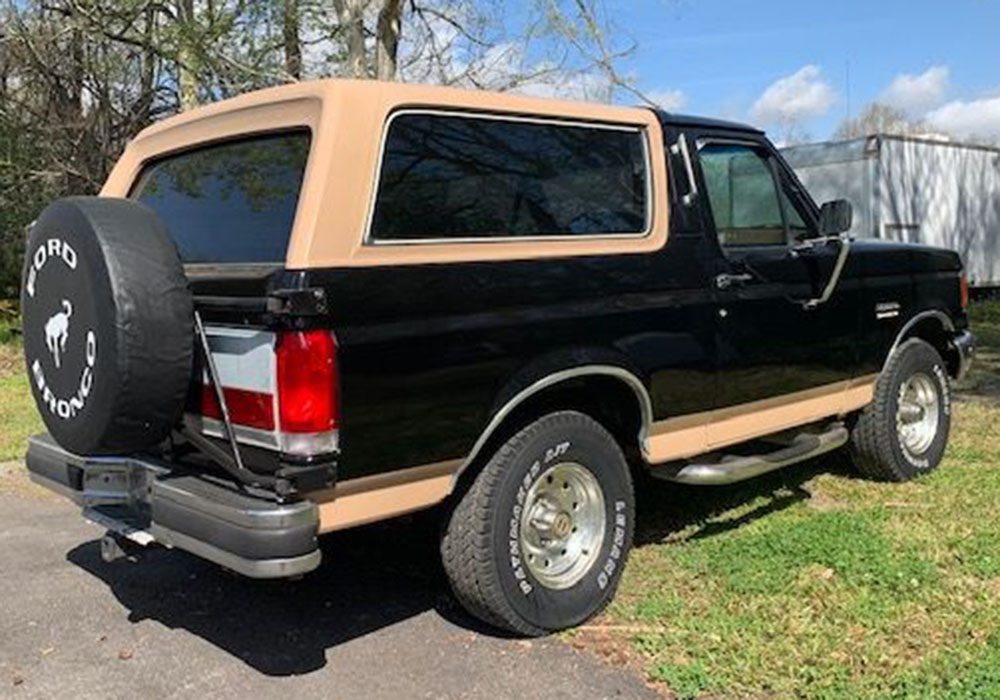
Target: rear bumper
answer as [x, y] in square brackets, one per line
[965, 348]
[149, 501]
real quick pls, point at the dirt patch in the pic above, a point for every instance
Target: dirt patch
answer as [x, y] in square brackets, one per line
[821, 501]
[14, 480]
[10, 359]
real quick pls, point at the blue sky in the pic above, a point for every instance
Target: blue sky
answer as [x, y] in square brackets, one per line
[719, 58]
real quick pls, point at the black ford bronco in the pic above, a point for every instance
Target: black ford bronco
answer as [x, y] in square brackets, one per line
[327, 304]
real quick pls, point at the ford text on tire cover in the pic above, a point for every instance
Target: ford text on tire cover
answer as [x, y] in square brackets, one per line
[323, 305]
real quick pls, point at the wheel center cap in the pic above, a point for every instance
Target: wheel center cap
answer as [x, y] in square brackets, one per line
[562, 524]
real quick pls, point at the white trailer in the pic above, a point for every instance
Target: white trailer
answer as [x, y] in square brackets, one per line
[913, 189]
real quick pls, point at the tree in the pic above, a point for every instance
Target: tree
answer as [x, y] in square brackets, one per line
[79, 78]
[879, 118]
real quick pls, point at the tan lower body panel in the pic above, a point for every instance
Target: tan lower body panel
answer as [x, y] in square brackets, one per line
[687, 436]
[372, 498]
[381, 496]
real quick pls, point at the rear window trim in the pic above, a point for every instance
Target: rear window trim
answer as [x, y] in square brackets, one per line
[147, 165]
[568, 239]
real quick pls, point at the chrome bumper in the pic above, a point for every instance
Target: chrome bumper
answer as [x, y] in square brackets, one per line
[148, 501]
[965, 348]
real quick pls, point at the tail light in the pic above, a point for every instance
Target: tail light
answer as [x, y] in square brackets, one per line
[308, 392]
[963, 291]
[250, 408]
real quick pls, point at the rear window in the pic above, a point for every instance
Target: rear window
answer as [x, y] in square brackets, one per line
[462, 176]
[229, 202]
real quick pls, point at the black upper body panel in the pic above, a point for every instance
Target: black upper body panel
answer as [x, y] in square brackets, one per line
[429, 352]
[688, 121]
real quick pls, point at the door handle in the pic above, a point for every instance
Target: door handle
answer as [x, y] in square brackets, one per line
[726, 280]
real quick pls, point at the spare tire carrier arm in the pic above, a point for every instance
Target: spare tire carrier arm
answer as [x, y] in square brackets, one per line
[231, 463]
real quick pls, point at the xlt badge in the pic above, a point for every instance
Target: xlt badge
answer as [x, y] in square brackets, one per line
[887, 309]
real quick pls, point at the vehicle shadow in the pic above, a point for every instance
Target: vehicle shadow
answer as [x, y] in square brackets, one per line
[371, 578]
[665, 508]
[376, 576]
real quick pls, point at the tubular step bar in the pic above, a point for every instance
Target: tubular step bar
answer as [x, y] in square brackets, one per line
[729, 469]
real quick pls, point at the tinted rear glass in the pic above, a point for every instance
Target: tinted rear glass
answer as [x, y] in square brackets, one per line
[229, 202]
[451, 176]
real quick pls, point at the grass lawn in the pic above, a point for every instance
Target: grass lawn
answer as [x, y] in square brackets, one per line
[813, 583]
[18, 417]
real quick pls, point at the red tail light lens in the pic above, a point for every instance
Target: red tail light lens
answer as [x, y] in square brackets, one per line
[250, 408]
[964, 291]
[307, 381]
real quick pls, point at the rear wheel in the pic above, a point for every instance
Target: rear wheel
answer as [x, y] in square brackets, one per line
[904, 431]
[538, 542]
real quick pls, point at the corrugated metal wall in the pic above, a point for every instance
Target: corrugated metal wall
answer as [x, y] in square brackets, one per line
[914, 190]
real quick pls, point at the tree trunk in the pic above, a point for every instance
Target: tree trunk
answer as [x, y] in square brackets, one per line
[387, 39]
[74, 89]
[290, 35]
[145, 102]
[351, 14]
[187, 78]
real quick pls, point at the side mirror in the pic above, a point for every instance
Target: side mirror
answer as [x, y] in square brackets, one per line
[835, 217]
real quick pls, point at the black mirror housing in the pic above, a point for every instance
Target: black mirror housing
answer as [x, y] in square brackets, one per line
[835, 217]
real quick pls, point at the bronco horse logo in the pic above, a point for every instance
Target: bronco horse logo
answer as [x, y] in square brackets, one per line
[57, 331]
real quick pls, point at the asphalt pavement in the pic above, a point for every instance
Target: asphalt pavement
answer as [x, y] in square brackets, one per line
[375, 621]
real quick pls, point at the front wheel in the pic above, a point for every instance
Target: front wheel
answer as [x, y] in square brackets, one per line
[903, 432]
[538, 542]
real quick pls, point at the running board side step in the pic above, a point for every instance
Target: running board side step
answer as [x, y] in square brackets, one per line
[716, 470]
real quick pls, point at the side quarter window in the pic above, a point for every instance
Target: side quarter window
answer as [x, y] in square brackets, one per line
[464, 176]
[748, 205]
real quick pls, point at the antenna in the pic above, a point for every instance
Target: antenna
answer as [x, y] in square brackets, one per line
[847, 84]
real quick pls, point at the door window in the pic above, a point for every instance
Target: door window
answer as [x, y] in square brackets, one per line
[748, 204]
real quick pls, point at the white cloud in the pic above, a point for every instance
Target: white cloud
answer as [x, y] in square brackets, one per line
[670, 100]
[918, 93]
[965, 119]
[794, 98]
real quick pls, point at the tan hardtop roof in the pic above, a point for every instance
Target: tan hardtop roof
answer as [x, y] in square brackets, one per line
[347, 119]
[403, 93]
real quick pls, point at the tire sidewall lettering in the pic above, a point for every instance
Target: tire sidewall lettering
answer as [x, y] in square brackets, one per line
[604, 569]
[514, 525]
[613, 561]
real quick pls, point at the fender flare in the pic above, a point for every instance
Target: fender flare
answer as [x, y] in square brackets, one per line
[946, 323]
[550, 380]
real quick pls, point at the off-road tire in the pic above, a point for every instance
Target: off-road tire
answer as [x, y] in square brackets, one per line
[480, 547]
[876, 446]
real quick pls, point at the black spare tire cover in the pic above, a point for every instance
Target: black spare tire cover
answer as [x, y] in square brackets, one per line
[108, 325]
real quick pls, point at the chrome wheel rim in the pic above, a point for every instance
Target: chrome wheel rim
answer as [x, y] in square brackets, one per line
[917, 413]
[562, 525]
